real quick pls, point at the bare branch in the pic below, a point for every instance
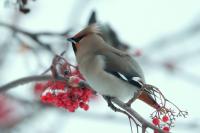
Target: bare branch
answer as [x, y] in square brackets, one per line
[35, 36]
[24, 80]
[136, 115]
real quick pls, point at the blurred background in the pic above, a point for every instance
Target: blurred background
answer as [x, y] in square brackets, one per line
[163, 35]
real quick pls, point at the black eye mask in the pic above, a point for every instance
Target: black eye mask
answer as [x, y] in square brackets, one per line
[75, 40]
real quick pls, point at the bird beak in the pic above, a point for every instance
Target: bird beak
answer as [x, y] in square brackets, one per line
[72, 40]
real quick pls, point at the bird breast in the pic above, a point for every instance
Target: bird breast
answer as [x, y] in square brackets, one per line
[102, 82]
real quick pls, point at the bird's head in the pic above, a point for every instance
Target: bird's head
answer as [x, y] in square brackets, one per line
[91, 29]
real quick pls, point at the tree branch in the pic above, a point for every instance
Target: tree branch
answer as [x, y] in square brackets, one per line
[136, 115]
[24, 80]
[35, 36]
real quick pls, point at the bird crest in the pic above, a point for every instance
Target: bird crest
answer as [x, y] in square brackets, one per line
[91, 29]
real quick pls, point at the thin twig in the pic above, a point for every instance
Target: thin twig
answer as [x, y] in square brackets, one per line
[48, 69]
[130, 124]
[33, 36]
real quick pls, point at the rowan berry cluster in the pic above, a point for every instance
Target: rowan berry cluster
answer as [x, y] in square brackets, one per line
[161, 123]
[66, 94]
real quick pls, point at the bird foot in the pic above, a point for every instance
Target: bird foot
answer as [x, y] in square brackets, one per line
[110, 104]
[131, 100]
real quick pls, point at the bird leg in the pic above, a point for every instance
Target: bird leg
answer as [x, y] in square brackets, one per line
[130, 101]
[136, 95]
[110, 104]
[114, 108]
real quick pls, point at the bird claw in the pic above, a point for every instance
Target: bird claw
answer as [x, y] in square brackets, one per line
[110, 104]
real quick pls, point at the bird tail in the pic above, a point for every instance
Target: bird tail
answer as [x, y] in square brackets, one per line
[148, 99]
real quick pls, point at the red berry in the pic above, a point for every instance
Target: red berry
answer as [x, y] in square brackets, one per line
[77, 92]
[68, 103]
[156, 121]
[71, 109]
[81, 104]
[58, 85]
[39, 88]
[86, 107]
[166, 129]
[156, 131]
[165, 118]
[84, 98]
[75, 105]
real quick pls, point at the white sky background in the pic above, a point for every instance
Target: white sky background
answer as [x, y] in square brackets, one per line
[139, 23]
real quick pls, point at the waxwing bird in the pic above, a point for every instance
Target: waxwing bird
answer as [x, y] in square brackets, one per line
[107, 70]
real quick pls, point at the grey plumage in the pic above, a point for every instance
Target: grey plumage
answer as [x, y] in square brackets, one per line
[98, 62]
[107, 70]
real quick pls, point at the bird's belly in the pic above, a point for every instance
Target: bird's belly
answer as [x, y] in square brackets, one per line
[107, 84]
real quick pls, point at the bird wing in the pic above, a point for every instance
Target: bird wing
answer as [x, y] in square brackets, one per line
[122, 66]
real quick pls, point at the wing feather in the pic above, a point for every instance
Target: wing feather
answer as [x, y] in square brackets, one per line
[123, 67]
